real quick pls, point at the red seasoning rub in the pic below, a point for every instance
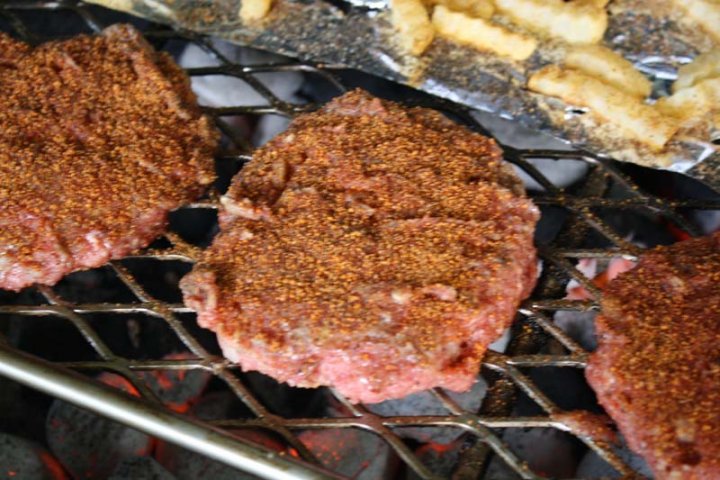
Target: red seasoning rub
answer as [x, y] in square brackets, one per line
[100, 136]
[372, 248]
[657, 370]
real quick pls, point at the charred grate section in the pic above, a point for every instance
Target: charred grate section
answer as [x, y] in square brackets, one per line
[581, 220]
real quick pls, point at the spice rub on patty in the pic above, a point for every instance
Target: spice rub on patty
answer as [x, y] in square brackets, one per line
[657, 368]
[372, 248]
[100, 136]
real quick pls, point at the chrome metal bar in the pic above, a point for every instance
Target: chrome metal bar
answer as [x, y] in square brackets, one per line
[183, 431]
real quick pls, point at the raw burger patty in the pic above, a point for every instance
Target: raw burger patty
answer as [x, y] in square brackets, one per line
[100, 137]
[657, 369]
[371, 248]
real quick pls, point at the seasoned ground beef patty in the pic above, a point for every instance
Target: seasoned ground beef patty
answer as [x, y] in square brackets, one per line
[100, 137]
[657, 368]
[371, 248]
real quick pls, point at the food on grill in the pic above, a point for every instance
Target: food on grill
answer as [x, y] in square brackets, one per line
[100, 137]
[696, 92]
[690, 104]
[610, 67]
[628, 113]
[591, 75]
[482, 52]
[575, 21]
[254, 10]
[371, 248]
[482, 34]
[704, 67]
[609, 86]
[474, 8]
[705, 13]
[656, 371]
[412, 22]
[463, 22]
[470, 23]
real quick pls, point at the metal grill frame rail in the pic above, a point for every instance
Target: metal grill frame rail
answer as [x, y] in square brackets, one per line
[534, 328]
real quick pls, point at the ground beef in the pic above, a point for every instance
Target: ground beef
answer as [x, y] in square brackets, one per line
[372, 248]
[657, 369]
[100, 137]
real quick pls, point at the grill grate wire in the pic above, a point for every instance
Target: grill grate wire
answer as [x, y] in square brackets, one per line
[506, 372]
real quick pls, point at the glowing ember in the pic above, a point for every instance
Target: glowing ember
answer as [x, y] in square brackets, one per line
[186, 465]
[116, 381]
[439, 458]
[90, 446]
[23, 459]
[178, 389]
[580, 325]
[678, 233]
[352, 452]
[588, 266]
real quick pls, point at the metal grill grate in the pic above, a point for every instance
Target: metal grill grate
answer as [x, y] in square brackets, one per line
[533, 337]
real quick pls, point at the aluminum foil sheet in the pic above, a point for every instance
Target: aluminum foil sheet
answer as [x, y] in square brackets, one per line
[357, 34]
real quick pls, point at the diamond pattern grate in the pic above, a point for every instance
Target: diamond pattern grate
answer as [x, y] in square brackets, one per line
[536, 341]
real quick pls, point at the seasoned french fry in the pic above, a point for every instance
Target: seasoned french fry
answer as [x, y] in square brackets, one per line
[596, 3]
[475, 8]
[481, 34]
[254, 10]
[604, 64]
[574, 22]
[692, 102]
[412, 22]
[639, 121]
[705, 12]
[705, 66]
